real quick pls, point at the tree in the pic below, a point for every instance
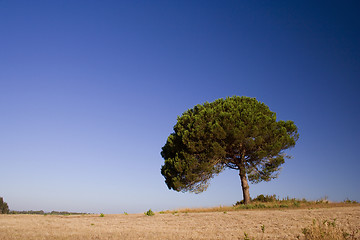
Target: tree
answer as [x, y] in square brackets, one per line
[239, 133]
[4, 208]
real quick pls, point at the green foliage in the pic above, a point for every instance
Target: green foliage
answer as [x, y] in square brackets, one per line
[236, 133]
[252, 206]
[125, 213]
[260, 198]
[4, 208]
[272, 201]
[284, 206]
[102, 215]
[263, 228]
[238, 203]
[296, 204]
[246, 237]
[149, 213]
[266, 198]
[347, 200]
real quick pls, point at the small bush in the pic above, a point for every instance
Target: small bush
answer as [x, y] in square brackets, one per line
[266, 198]
[252, 206]
[347, 200]
[322, 200]
[259, 198]
[149, 213]
[125, 213]
[239, 203]
[260, 205]
[249, 206]
[296, 204]
[102, 215]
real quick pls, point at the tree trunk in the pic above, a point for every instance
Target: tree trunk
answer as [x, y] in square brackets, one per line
[244, 184]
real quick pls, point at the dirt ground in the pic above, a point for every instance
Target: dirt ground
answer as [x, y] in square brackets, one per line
[279, 224]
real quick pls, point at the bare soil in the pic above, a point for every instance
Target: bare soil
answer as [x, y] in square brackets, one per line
[279, 224]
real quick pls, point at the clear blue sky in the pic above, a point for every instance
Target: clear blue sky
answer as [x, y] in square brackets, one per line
[90, 91]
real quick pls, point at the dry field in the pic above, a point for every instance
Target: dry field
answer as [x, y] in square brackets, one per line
[279, 224]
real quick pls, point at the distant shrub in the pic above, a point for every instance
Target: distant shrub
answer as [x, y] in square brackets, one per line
[260, 205]
[347, 200]
[149, 213]
[238, 203]
[102, 215]
[266, 198]
[322, 200]
[4, 208]
[252, 206]
[304, 200]
[125, 213]
[259, 198]
[248, 206]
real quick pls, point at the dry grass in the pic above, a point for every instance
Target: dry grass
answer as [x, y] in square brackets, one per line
[278, 224]
[291, 204]
[328, 230]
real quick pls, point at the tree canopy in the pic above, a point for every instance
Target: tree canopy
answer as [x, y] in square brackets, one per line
[4, 208]
[239, 133]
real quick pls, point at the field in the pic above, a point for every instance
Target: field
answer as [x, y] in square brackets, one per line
[277, 224]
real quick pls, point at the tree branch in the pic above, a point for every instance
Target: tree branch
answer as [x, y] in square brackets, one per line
[232, 166]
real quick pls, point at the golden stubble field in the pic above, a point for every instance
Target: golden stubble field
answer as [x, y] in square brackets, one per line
[279, 224]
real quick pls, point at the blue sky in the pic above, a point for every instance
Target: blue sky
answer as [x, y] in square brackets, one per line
[90, 90]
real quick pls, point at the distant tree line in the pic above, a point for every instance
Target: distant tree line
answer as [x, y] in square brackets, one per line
[41, 212]
[4, 208]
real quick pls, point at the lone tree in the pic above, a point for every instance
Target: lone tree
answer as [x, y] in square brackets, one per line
[239, 133]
